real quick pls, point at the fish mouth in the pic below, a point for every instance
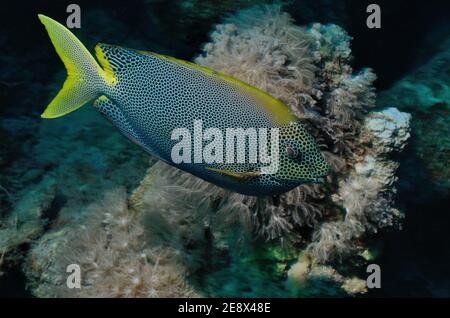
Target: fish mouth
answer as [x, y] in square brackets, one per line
[318, 180]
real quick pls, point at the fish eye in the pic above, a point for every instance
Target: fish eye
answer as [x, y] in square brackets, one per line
[291, 150]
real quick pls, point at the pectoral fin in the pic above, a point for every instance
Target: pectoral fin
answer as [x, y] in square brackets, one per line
[113, 113]
[238, 175]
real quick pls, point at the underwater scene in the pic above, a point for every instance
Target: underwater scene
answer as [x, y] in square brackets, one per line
[225, 148]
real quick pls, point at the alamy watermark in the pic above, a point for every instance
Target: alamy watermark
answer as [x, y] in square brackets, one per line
[232, 145]
[374, 19]
[73, 20]
[74, 278]
[374, 279]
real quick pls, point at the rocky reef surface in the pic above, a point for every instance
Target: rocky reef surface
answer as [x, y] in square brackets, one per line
[425, 92]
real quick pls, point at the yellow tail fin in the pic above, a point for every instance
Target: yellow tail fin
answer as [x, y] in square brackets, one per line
[85, 78]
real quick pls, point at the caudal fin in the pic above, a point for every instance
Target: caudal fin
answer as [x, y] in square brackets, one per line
[85, 78]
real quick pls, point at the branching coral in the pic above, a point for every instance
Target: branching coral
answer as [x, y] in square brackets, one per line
[342, 97]
[366, 194]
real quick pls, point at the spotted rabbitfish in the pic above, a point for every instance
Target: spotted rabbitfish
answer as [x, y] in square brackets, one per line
[149, 96]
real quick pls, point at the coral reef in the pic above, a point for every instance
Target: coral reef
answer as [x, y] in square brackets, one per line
[115, 259]
[159, 240]
[53, 192]
[312, 65]
[307, 68]
[366, 194]
[308, 275]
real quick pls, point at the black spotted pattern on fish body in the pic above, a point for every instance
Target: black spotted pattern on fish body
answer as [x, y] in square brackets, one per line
[148, 95]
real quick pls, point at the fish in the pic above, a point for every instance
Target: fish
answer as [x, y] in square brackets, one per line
[150, 97]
